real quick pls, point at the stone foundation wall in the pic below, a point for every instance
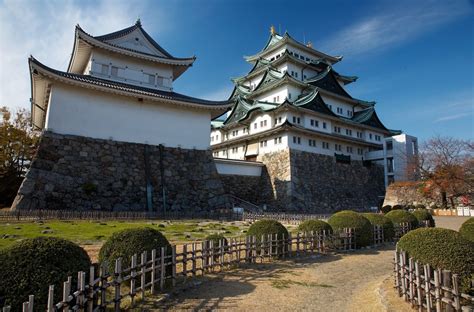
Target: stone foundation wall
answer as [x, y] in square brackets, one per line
[312, 183]
[79, 173]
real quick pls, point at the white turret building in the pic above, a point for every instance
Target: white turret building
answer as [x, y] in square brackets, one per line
[116, 136]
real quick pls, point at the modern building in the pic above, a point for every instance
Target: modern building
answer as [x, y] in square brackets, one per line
[113, 134]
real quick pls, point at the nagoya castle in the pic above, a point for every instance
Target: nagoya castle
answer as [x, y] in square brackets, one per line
[322, 148]
[292, 139]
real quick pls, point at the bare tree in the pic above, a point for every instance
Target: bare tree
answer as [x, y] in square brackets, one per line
[446, 166]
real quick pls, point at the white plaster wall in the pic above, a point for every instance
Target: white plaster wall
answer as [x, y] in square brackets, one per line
[257, 119]
[280, 92]
[130, 70]
[94, 114]
[338, 103]
[236, 168]
[217, 137]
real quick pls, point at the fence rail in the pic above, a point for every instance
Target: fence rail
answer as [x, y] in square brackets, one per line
[427, 288]
[149, 273]
[31, 215]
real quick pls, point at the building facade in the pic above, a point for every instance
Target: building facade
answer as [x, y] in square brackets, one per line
[294, 102]
[113, 135]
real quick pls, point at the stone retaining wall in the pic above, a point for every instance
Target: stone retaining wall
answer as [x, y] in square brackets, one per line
[311, 183]
[79, 173]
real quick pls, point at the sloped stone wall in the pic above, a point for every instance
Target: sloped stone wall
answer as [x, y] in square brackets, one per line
[79, 173]
[312, 183]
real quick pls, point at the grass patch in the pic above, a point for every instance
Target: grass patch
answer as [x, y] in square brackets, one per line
[285, 283]
[96, 232]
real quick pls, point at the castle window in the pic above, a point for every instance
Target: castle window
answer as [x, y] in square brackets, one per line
[338, 147]
[217, 137]
[370, 136]
[325, 145]
[277, 140]
[359, 134]
[159, 81]
[105, 70]
[312, 142]
[296, 140]
[337, 129]
[377, 138]
[255, 125]
[263, 143]
[289, 96]
[114, 71]
[324, 125]
[349, 149]
[360, 151]
[349, 113]
[297, 55]
[151, 79]
[296, 74]
[349, 132]
[339, 110]
[330, 106]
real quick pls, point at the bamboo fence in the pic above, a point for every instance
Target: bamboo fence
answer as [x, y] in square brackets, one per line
[428, 288]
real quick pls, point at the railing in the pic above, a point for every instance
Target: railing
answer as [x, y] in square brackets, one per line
[427, 288]
[246, 205]
[99, 289]
[28, 215]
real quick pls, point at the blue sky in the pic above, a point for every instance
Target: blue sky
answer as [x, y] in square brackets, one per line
[415, 58]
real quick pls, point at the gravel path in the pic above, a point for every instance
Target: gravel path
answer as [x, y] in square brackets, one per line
[347, 282]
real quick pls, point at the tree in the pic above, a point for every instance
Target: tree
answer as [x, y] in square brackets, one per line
[447, 168]
[18, 142]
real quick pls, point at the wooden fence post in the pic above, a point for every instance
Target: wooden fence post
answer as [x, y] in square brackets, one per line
[103, 284]
[397, 272]
[162, 268]
[193, 259]
[446, 293]
[66, 292]
[143, 260]
[437, 277]
[185, 261]
[90, 290]
[117, 282]
[173, 263]
[51, 307]
[132, 279]
[418, 286]
[411, 287]
[456, 293]
[153, 271]
[427, 273]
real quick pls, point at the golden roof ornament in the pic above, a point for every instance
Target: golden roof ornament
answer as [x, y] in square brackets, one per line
[272, 30]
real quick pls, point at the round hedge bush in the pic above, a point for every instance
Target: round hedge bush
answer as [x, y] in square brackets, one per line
[386, 209]
[384, 222]
[402, 216]
[265, 228]
[441, 248]
[31, 265]
[314, 226]
[124, 244]
[350, 219]
[467, 229]
[424, 215]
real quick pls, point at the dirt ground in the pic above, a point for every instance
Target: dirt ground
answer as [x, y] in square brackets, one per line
[358, 281]
[342, 282]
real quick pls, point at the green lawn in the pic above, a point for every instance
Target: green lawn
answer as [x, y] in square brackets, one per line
[95, 232]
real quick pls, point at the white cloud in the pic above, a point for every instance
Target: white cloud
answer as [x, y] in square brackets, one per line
[45, 29]
[394, 25]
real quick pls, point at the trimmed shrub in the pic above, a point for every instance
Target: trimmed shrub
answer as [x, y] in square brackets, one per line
[409, 207]
[351, 219]
[124, 244]
[441, 248]
[397, 207]
[31, 265]
[424, 215]
[386, 209]
[309, 226]
[420, 206]
[402, 216]
[384, 222]
[265, 228]
[467, 229]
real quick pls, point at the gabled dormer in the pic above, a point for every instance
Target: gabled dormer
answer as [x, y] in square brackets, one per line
[128, 56]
